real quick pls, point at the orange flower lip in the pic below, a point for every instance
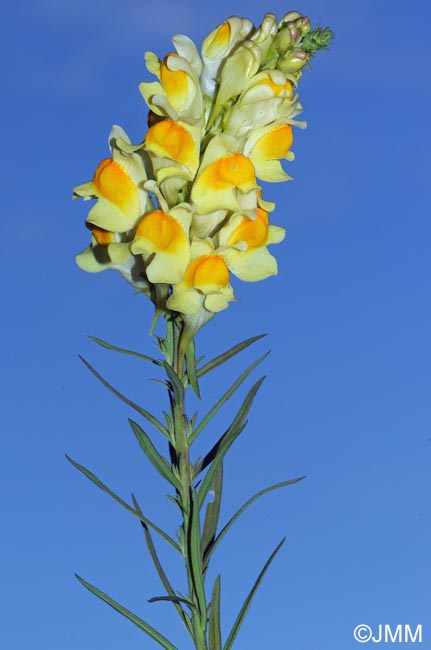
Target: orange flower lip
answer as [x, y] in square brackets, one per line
[207, 270]
[168, 139]
[235, 170]
[274, 144]
[174, 83]
[103, 237]
[220, 40]
[115, 184]
[254, 232]
[277, 88]
[162, 230]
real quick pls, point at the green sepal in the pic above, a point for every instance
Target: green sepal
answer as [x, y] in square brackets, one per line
[213, 511]
[244, 609]
[143, 625]
[146, 414]
[217, 361]
[225, 397]
[94, 479]
[161, 573]
[157, 460]
[210, 550]
[191, 368]
[195, 555]
[215, 642]
[130, 353]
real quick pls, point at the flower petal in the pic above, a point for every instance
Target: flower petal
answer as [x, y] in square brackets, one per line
[220, 185]
[162, 236]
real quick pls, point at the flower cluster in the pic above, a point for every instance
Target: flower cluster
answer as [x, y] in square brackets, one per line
[180, 212]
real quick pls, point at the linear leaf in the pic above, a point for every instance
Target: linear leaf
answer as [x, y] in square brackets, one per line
[214, 622]
[244, 609]
[151, 631]
[161, 573]
[224, 398]
[195, 555]
[213, 510]
[191, 368]
[157, 460]
[217, 361]
[237, 422]
[131, 353]
[172, 599]
[176, 383]
[238, 513]
[94, 479]
[146, 414]
[226, 442]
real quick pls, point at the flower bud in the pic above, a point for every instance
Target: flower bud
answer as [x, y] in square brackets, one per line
[303, 25]
[289, 17]
[283, 40]
[265, 35]
[292, 62]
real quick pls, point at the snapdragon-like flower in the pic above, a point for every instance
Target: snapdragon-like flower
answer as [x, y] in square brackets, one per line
[181, 210]
[206, 282]
[163, 241]
[226, 179]
[265, 146]
[217, 47]
[118, 187]
[246, 242]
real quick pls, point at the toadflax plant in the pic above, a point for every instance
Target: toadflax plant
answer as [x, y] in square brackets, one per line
[176, 215]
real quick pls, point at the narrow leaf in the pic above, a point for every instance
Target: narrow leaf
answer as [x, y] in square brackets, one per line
[237, 422]
[214, 622]
[161, 573]
[94, 479]
[131, 353]
[176, 383]
[227, 355]
[151, 631]
[191, 368]
[210, 550]
[213, 510]
[172, 599]
[157, 460]
[226, 442]
[195, 555]
[244, 609]
[146, 414]
[225, 397]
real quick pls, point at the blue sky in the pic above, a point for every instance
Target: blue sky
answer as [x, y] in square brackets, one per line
[346, 400]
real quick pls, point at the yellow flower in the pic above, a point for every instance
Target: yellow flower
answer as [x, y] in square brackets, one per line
[237, 69]
[162, 238]
[172, 142]
[109, 251]
[226, 180]
[178, 94]
[267, 97]
[265, 146]
[217, 46]
[206, 283]
[118, 186]
[265, 34]
[246, 240]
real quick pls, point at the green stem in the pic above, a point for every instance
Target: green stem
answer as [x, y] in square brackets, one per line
[186, 496]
